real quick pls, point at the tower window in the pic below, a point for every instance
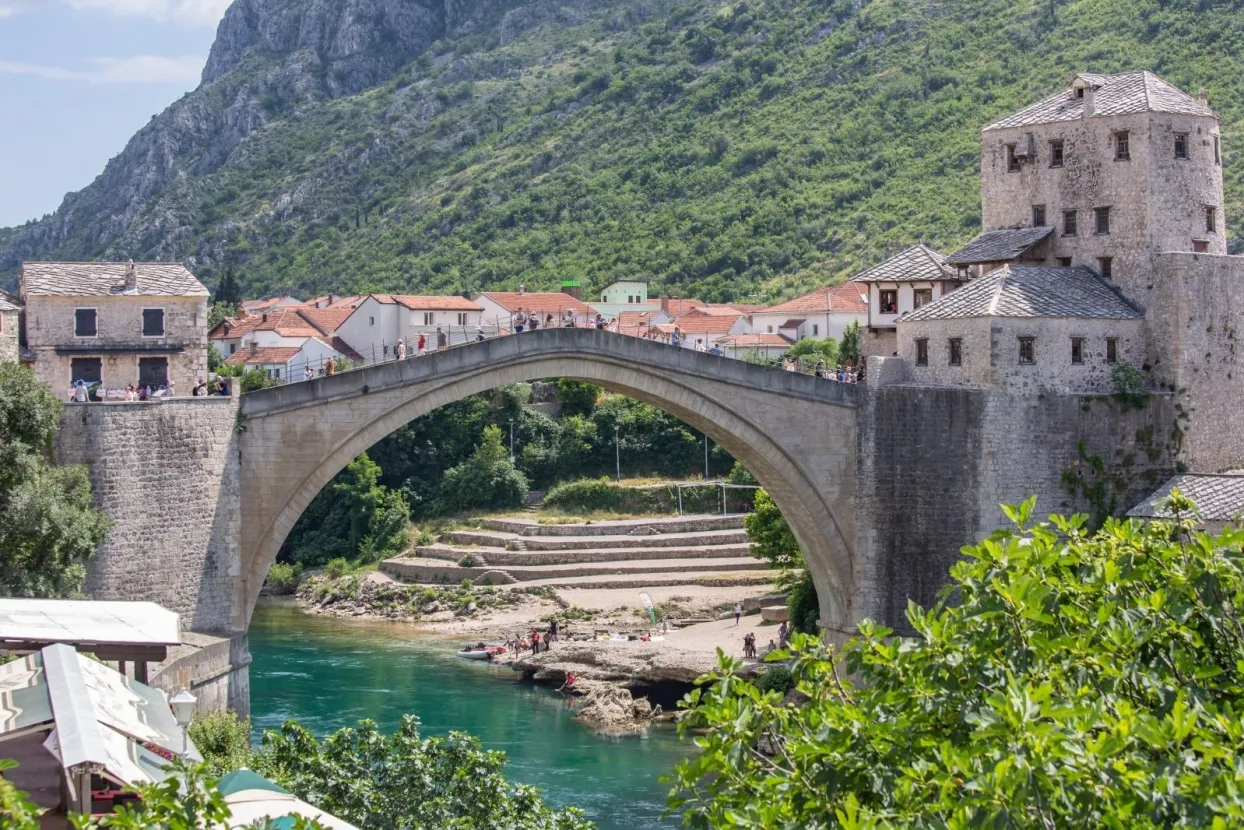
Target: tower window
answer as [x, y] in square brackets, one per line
[84, 322]
[1102, 217]
[956, 351]
[1181, 146]
[1056, 153]
[1027, 351]
[1012, 160]
[1064, 262]
[1211, 218]
[1079, 92]
[921, 297]
[922, 352]
[1122, 150]
[1112, 350]
[1077, 350]
[1038, 216]
[1105, 265]
[1070, 225]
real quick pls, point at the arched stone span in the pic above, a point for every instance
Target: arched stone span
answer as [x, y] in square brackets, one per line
[796, 433]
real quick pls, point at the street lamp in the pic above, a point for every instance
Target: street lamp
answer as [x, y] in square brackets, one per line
[183, 712]
[706, 456]
[617, 453]
[511, 440]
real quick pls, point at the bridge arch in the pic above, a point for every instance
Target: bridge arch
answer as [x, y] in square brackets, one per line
[797, 434]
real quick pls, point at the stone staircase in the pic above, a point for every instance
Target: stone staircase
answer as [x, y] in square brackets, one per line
[692, 550]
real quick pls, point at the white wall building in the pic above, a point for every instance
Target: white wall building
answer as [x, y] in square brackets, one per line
[905, 282]
[825, 312]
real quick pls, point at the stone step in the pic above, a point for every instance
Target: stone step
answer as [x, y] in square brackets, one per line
[500, 557]
[494, 539]
[439, 571]
[655, 580]
[623, 527]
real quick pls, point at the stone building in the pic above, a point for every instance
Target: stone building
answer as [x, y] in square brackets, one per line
[1219, 500]
[909, 280]
[10, 328]
[115, 323]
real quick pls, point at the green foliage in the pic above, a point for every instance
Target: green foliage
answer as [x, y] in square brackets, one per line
[215, 360]
[228, 293]
[769, 536]
[604, 495]
[1129, 384]
[740, 475]
[776, 679]
[1068, 679]
[802, 604]
[404, 780]
[826, 350]
[224, 739]
[355, 518]
[48, 526]
[849, 348]
[487, 480]
[469, 560]
[336, 568]
[283, 578]
[576, 397]
[220, 311]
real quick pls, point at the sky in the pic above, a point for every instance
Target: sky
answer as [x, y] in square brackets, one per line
[78, 78]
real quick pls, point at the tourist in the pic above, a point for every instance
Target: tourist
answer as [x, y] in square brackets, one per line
[548, 321]
[676, 339]
[221, 387]
[132, 395]
[535, 642]
[819, 371]
[600, 321]
[479, 334]
[144, 392]
[79, 392]
[421, 346]
[200, 388]
[699, 345]
[772, 647]
[569, 320]
[400, 351]
[308, 373]
[533, 321]
[441, 339]
[783, 633]
[520, 321]
[568, 684]
[738, 612]
[716, 351]
[329, 368]
[553, 630]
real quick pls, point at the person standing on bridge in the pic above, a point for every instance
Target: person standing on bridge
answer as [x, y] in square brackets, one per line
[441, 340]
[400, 351]
[307, 374]
[519, 321]
[479, 334]
[421, 347]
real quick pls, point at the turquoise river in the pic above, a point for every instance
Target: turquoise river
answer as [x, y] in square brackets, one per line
[330, 673]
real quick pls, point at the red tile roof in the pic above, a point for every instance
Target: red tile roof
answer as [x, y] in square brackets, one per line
[754, 340]
[287, 322]
[351, 302]
[846, 297]
[260, 306]
[550, 302]
[267, 355]
[698, 322]
[327, 320]
[431, 303]
[675, 306]
[235, 328]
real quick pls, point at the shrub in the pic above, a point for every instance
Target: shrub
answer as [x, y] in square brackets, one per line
[336, 568]
[776, 679]
[740, 475]
[486, 480]
[224, 739]
[1129, 385]
[469, 561]
[283, 578]
[424, 539]
[802, 605]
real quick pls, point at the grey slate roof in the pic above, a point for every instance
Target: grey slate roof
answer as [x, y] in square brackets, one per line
[998, 246]
[101, 279]
[919, 263]
[1031, 291]
[1217, 497]
[9, 303]
[1123, 94]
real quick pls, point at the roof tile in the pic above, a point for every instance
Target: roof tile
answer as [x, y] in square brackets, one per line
[919, 263]
[845, 297]
[998, 246]
[1217, 497]
[1123, 94]
[1031, 291]
[102, 279]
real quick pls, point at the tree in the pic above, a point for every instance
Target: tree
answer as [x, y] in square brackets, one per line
[406, 782]
[1067, 679]
[849, 348]
[214, 358]
[48, 527]
[770, 538]
[485, 480]
[219, 312]
[577, 397]
[230, 289]
[826, 350]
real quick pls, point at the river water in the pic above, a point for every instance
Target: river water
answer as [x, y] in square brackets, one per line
[328, 673]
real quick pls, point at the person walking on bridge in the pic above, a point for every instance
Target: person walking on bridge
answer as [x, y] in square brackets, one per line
[421, 347]
[400, 351]
[441, 340]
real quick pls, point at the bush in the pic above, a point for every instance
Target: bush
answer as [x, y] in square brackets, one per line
[470, 560]
[605, 495]
[776, 679]
[577, 397]
[1066, 679]
[740, 475]
[802, 605]
[336, 568]
[487, 480]
[424, 539]
[224, 739]
[1129, 385]
[283, 578]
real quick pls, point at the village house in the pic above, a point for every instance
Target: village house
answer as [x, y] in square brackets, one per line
[909, 280]
[763, 345]
[10, 328]
[624, 295]
[283, 342]
[115, 324]
[703, 328]
[820, 314]
[499, 307]
[376, 323]
[256, 307]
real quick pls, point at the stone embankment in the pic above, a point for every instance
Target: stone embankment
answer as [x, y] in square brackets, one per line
[704, 550]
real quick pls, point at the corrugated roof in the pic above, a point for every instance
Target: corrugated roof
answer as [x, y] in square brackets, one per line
[264, 355]
[999, 246]
[844, 297]
[1031, 291]
[102, 279]
[1217, 497]
[541, 302]
[1122, 94]
[919, 263]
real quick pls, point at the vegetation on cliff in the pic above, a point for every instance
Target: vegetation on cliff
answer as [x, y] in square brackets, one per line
[1076, 680]
[726, 150]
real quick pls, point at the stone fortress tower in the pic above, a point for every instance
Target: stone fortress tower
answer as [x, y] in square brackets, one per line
[1103, 241]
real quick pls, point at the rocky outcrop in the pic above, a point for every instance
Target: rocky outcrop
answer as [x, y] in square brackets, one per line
[612, 709]
[625, 664]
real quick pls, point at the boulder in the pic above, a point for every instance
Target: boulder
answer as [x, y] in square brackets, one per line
[612, 709]
[775, 613]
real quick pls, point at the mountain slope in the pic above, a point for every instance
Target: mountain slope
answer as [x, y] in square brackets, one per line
[726, 150]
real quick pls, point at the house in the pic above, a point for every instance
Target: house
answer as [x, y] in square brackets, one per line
[624, 295]
[286, 363]
[675, 306]
[373, 326]
[825, 312]
[764, 345]
[906, 281]
[10, 328]
[499, 307]
[638, 323]
[227, 335]
[115, 323]
[270, 304]
[701, 329]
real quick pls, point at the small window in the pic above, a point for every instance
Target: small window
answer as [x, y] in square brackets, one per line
[1056, 153]
[427, 318]
[1079, 92]
[1070, 223]
[770, 329]
[275, 373]
[921, 297]
[1077, 350]
[462, 318]
[233, 348]
[1211, 218]
[816, 330]
[1181, 146]
[1217, 156]
[1012, 160]
[1200, 246]
[1101, 218]
[1112, 350]
[922, 352]
[371, 321]
[1105, 265]
[956, 351]
[153, 322]
[1064, 262]
[84, 322]
[1038, 216]
[1027, 351]
[1122, 150]
[889, 301]
[963, 272]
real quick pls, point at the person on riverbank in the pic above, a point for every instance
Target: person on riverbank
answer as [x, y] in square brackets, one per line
[749, 646]
[783, 632]
[568, 685]
[535, 642]
[738, 612]
[552, 631]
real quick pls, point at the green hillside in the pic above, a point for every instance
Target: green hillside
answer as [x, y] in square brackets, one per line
[726, 151]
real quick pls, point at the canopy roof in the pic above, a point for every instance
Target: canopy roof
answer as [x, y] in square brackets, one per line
[250, 796]
[121, 630]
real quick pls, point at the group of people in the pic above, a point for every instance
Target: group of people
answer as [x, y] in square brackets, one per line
[421, 343]
[80, 391]
[749, 639]
[523, 320]
[843, 373]
[537, 640]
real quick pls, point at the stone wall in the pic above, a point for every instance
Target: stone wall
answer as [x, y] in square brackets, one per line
[167, 475]
[215, 669]
[10, 323]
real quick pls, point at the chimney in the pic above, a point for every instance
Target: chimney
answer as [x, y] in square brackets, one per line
[520, 291]
[572, 288]
[1088, 100]
[131, 276]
